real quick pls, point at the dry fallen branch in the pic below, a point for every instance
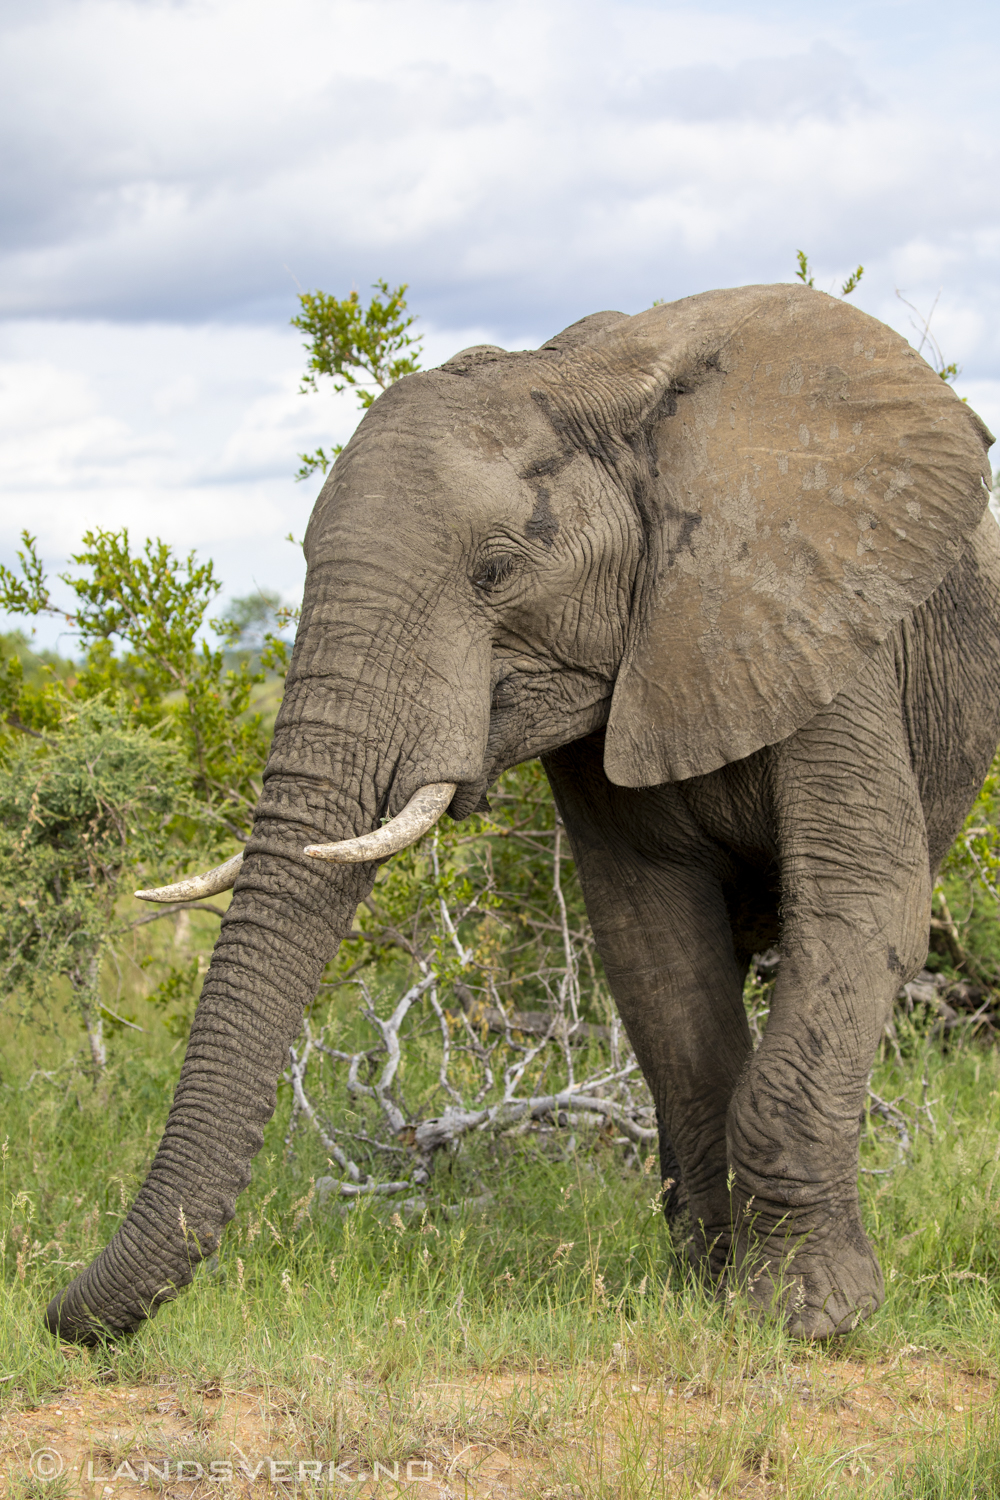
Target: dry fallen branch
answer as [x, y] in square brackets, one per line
[451, 1025]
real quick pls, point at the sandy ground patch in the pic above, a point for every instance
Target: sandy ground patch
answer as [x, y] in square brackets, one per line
[525, 1434]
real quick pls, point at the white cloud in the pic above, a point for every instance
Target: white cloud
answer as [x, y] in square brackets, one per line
[187, 433]
[176, 158]
[177, 167]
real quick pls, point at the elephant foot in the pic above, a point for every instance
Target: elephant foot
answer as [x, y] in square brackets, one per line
[823, 1282]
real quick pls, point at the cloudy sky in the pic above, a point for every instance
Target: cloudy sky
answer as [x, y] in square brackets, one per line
[175, 171]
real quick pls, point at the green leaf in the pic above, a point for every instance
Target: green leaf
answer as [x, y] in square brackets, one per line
[852, 281]
[27, 595]
[366, 349]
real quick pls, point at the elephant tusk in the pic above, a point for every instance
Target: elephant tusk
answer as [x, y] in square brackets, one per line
[209, 884]
[420, 813]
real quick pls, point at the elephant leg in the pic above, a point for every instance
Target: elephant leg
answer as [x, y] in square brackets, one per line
[657, 905]
[856, 907]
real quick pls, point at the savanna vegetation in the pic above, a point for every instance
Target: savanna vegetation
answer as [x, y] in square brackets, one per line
[452, 1255]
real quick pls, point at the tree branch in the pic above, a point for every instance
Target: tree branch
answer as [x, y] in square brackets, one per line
[157, 916]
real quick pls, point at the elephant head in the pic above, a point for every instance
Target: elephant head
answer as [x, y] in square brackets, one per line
[690, 526]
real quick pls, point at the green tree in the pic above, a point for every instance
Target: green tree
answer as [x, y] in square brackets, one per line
[250, 619]
[80, 805]
[364, 348]
[137, 618]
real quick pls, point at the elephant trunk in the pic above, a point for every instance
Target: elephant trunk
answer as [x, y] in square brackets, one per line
[365, 722]
[287, 917]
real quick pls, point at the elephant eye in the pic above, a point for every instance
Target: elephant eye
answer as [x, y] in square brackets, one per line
[493, 571]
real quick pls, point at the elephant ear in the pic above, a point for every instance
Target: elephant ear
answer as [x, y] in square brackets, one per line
[805, 480]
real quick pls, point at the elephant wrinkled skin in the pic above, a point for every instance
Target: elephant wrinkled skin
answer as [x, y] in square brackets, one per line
[726, 566]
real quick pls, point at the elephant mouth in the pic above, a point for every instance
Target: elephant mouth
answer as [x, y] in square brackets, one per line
[425, 807]
[470, 797]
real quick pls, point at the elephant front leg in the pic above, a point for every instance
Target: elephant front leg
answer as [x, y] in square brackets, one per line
[855, 921]
[658, 910]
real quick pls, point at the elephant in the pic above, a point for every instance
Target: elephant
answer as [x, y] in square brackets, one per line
[727, 567]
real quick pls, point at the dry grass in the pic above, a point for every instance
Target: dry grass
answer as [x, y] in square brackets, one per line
[810, 1425]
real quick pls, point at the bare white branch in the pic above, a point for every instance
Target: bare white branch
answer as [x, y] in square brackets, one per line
[491, 1060]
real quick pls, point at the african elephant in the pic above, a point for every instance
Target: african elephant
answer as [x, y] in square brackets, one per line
[726, 567]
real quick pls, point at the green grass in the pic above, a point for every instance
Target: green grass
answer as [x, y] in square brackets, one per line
[566, 1273]
[555, 1316]
[971, 1474]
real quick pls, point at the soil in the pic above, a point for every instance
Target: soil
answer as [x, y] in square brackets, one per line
[523, 1434]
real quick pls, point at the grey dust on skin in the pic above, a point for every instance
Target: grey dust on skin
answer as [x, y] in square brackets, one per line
[726, 567]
